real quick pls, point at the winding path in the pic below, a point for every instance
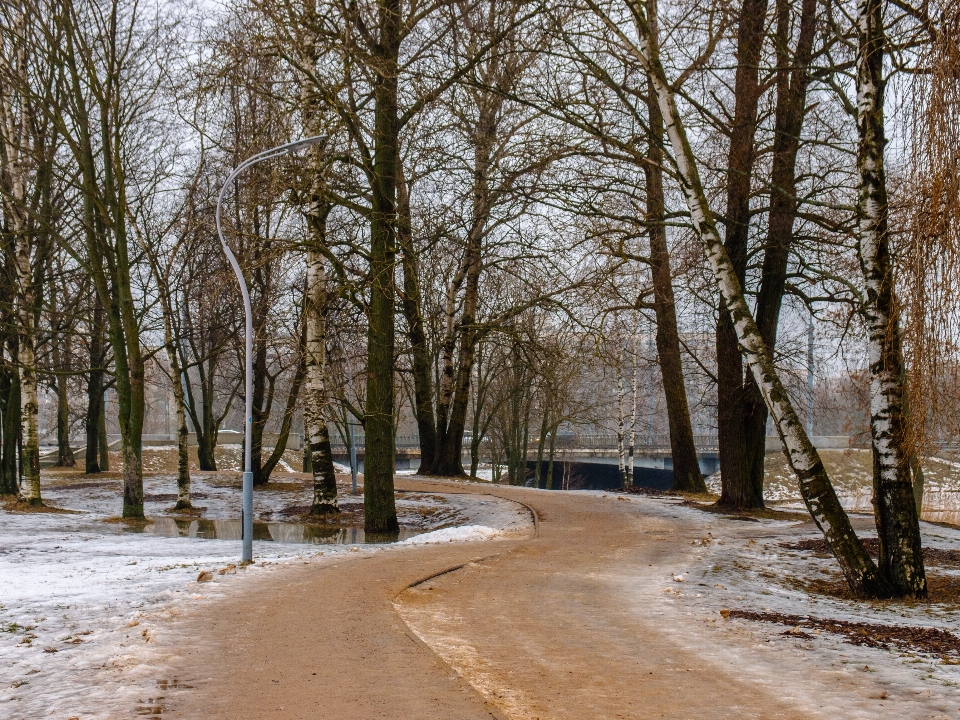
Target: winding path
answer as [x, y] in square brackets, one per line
[536, 627]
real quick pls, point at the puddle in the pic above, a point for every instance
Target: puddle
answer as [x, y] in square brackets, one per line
[151, 706]
[280, 532]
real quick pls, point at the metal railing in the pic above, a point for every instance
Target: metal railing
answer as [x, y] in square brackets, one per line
[564, 441]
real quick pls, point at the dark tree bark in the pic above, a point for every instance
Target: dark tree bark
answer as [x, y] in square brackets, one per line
[94, 459]
[421, 366]
[64, 451]
[740, 488]
[286, 423]
[9, 477]
[380, 512]
[793, 77]
[205, 423]
[686, 467]
[263, 382]
[104, 440]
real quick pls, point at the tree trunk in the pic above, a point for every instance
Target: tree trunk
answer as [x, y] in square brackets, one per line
[898, 529]
[379, 505]
[316, 397]
[454, 394]
[179, 399]
[206, 429]
[553, 449]
[65, 456]
[11, 427]
[740, 487]
[479, 403]
[262, 397]
[621, 418]
[818, 494]
[686, 467]
[104, 441]
[793, 77]
[105, 215]
[29, 400]
[538, 470]
[94, 391]
[183, 444]
[411, 302]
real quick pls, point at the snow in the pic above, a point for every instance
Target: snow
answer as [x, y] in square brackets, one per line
[84, 598]
[724, 563]
[465, 533]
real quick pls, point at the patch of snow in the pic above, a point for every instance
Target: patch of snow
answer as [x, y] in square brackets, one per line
[465, 533]
[729, 564]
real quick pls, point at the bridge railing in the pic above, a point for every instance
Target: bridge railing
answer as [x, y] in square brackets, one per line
[564, 441]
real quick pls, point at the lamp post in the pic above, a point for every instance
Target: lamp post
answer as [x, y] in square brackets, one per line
[247, 511]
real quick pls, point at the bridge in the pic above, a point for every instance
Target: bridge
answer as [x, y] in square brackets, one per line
[583, 448]
[594, 458]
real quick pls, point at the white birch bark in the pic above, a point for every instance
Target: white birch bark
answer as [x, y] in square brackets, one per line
[898, 528]
[316, 397]
[179, 399]
[315, 393]
[819, 496]
[621, 421]
[633, 412]
[29, 403]
[15, 177]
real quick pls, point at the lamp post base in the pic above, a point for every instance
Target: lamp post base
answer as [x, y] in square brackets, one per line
[247, 517]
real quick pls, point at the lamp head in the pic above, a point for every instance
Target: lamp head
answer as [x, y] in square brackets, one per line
[306, 142]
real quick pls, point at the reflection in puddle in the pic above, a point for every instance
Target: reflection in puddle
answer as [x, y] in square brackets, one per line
[291, 533]
[152, 706]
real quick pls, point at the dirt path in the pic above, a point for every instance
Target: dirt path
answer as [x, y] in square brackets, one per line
[528, 628]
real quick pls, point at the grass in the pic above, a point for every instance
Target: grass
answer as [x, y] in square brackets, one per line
[14, 504]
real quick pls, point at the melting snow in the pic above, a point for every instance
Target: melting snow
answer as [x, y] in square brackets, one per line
[464, 533]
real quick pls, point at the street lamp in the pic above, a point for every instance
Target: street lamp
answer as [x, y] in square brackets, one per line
[247, 512]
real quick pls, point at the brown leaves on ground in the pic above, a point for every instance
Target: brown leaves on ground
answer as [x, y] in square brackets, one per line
[903, 637]
[749, 515]
[637, 490]
[931, 556]
[942, 587]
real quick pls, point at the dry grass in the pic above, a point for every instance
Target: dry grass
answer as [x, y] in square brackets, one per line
[14, 504]
[129, 522]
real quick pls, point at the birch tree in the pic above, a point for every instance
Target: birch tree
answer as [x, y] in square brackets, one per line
[818, 493]
[898, 529]
[27, 144]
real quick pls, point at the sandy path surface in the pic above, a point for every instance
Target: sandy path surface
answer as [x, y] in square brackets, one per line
[527, 628]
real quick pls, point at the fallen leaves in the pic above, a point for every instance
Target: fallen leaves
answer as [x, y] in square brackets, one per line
[919, 639]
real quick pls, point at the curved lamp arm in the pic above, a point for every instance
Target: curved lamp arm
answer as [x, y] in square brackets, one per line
[247, 513]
